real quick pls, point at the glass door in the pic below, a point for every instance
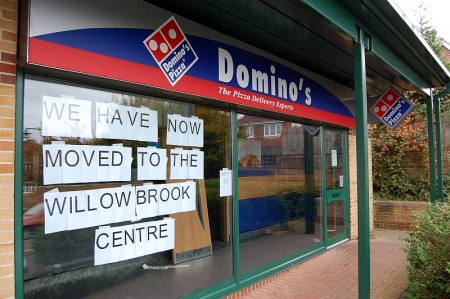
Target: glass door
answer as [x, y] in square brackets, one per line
[336, 186]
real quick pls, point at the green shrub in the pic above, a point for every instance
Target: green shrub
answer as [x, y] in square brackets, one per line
[429, 255]
[401, 186]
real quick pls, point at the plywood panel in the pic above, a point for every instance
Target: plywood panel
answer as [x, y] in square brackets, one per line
[192, 231]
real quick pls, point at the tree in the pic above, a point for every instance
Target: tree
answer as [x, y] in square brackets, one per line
[400, 156]
[429, 33]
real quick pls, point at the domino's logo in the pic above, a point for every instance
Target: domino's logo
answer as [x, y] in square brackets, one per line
[391, 108]
[171, 50]
[388, 100]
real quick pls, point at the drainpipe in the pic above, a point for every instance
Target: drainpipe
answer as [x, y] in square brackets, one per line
[359, 56]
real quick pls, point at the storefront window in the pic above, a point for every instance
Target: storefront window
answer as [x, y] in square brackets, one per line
[280, 205]
[121, 194]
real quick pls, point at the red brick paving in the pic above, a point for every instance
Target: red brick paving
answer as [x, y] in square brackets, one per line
[334, 274]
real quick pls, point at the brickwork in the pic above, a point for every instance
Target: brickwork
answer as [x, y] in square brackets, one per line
[396, 214]
[445, 51]
[353, 186]
[8, 52]
[334, 274]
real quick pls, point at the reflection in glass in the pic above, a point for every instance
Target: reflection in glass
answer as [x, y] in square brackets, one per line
[334, 167]
[279, 189]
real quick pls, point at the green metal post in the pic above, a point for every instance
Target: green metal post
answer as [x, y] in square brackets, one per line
[431, 147]
[18, 168]
[362, 160]
[437, 112]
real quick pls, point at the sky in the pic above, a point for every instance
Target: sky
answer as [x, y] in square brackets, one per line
[438, 12]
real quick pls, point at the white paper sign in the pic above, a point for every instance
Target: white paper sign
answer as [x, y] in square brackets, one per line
[130, 241]
[91, 215]
[186, 164]
[125, 204]
[179, 164]
[72, 210]
[184, 131]
[102, 249]
[225, 182]
[51, 155]
[147, 204]
[151, 163]
[196, 132]
[141, 247]
[55, 212]
[106, 205]
[78, 209]
[89, 173]
[189, 196]
[166, 239]
[115, 121]
[66, 117]
[196, 164]
[66, 164]
[77, 205]
[334, 161]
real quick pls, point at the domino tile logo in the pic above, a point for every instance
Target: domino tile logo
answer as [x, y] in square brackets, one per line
[171, 50]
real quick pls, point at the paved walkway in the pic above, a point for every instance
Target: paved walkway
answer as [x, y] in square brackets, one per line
[334, 274]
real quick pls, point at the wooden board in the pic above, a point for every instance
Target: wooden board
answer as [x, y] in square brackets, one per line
[192, 232]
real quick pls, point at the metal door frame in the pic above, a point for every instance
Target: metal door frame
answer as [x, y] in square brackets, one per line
[330, 196]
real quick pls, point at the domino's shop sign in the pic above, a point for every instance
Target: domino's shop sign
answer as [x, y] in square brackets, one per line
[392, 108]
[171, 50]
[152, 47]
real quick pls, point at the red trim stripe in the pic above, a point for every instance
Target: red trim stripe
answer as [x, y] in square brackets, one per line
[67, 58]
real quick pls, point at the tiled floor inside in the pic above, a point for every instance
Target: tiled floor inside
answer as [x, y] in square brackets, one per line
[205, 271]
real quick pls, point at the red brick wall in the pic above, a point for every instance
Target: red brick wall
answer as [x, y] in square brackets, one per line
[353, 177]
[446, 52]
[396, 214]
[8, 46]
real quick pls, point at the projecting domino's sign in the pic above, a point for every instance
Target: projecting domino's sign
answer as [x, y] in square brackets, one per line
[391, 108]
[172, 53]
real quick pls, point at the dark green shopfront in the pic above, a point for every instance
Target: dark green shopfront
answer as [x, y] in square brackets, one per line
[191, 149]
